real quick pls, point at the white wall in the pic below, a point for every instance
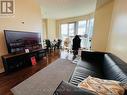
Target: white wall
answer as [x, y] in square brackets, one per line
[118, 36]
[103, 16]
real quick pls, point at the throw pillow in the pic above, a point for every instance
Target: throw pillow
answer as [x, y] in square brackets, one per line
[66, 88]
[103, 87]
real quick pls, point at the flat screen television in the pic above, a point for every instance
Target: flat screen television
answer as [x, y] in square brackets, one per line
[19, 41]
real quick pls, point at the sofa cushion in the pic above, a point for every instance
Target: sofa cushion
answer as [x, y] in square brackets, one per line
[112, 70]
[80, 74]
[65, 88]
[119, 62]
[92, 56]
[95, 67]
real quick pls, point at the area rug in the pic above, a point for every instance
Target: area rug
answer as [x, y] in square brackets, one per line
[75, 61]
[46, 80]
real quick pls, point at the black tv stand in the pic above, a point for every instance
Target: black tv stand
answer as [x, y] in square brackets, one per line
[14, 62]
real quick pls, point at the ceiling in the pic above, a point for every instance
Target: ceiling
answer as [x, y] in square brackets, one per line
[57, 9]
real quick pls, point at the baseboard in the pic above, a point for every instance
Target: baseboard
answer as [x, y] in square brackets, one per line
[1, 70]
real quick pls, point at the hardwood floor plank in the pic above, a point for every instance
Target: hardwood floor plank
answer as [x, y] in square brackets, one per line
[8, 81]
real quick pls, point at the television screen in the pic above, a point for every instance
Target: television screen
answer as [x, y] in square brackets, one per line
[18, 41]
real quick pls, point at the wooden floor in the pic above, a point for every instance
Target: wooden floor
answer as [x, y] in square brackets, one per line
[9, 81]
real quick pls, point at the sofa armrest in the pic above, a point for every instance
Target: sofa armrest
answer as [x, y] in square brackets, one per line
[92, 56]
[68, 89]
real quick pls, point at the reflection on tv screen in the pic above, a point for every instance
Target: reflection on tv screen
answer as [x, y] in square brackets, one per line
[18, 41]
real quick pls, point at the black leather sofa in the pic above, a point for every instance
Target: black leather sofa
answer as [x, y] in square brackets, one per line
[96, 64]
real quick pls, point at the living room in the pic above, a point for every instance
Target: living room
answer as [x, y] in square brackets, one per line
[37, 70]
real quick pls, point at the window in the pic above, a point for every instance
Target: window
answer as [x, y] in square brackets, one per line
[91, 27]
[90, 32]
[72, 29]
[64, 29]
[84, 28]
[81, 27]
